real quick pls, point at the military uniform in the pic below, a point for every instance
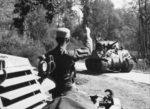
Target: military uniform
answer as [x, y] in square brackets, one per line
[64, 73]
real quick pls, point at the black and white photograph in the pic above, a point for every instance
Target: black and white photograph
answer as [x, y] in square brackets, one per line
[74, 54]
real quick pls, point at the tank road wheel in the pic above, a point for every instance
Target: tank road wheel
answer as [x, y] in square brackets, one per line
[103, 66]
[128, 65]
[87, 64]
[99, 65]
[90, 64]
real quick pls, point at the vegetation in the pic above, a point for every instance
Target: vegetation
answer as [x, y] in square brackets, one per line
[27, 27]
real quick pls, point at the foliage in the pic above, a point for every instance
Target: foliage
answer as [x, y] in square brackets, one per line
[74, 44]
[39, 30]
[79, 33]
[40, 36]
[104, 20]
[24, 7]
[141, 9]
[6, 7]
[37, 20]
[27, 49]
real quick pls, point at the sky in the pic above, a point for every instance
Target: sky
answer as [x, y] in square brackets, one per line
[119, 3]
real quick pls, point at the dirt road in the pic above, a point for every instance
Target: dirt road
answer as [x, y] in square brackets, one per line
[133, 75]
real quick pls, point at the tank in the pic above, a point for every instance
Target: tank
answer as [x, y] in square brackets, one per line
[108, 56]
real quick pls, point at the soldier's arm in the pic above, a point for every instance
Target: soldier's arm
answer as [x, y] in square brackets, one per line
[84, 52]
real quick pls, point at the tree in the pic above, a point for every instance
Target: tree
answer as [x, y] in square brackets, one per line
[24, 7]
[104, 19]
[141, 8]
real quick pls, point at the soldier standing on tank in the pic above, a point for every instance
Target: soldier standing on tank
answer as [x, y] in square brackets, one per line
[64, 73]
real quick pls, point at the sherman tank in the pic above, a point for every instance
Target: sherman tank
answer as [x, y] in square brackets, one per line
[108, 56]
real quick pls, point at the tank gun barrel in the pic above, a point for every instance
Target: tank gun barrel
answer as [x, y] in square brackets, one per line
[114, 43]
[110, 46]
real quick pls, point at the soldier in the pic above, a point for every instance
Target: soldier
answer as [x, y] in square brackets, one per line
[107, 101]
[64, 73]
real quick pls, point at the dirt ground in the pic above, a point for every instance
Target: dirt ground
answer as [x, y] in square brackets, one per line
[132, 95]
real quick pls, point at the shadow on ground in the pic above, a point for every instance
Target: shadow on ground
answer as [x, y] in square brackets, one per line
[87, 72]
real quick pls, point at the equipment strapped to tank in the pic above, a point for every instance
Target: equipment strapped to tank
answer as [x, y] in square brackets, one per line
[19, 86]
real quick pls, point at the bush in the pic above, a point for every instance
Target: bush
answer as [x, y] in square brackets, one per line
[32, 51]
[74, 43]
[40, 38]
[28, 50]
[10, 46]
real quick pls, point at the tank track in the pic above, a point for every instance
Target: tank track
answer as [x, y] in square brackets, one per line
[128, 65]
[99, 65]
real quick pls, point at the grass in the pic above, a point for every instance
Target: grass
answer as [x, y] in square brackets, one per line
[132, 95]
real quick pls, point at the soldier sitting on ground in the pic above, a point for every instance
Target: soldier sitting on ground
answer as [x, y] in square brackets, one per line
[107, 101]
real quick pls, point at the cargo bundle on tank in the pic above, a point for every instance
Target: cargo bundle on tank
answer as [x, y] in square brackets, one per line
[108, 56]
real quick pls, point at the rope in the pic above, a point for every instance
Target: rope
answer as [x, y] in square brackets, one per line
[4, 76]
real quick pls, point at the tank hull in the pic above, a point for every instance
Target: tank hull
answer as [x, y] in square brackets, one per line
[105, 65]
